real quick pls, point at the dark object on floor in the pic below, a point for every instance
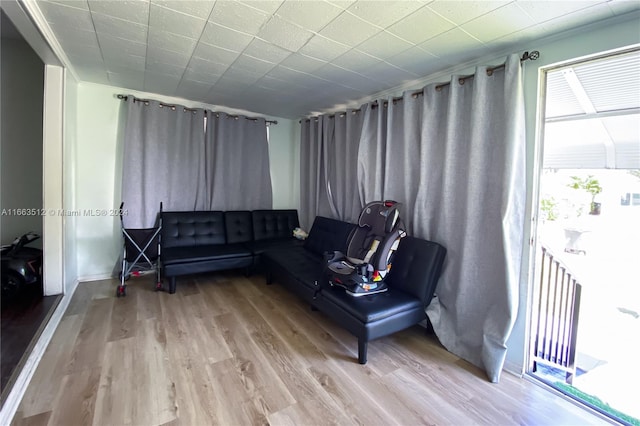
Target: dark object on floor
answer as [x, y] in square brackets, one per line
[21, 266]
[412, 281]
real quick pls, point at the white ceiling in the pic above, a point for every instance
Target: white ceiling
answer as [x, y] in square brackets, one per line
[294, 58]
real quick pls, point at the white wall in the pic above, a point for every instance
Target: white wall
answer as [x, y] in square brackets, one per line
[98, 169]
[70, 271]
[21, 158]
[285, 164]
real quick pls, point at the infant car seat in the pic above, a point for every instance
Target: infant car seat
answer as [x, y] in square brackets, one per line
[369, 251]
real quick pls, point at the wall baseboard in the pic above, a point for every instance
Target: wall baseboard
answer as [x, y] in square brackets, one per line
[97, 277]
[22, 382]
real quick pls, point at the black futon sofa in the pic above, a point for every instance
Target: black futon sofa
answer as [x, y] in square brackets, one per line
[207, 241]
[415, 271]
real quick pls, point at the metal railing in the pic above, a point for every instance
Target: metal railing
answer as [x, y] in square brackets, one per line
[555, 324]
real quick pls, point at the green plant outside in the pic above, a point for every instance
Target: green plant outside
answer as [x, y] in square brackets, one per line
[596, 402]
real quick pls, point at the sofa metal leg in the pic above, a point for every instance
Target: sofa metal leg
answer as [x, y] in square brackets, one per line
[172, 285]
[314, 309]
[269, 277]
[362, 351]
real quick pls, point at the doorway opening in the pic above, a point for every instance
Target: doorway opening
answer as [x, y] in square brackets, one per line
[585, 318]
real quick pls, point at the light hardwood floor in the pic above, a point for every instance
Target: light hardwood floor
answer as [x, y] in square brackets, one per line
[230, 350]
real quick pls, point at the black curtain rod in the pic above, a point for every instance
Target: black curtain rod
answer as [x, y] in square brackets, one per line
[173, 107]
[533, 55]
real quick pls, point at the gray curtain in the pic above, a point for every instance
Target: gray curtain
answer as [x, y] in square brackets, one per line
[341, 166]
[329, 167]
[163, 161]
[454, 156]
[480, 211]
[237, 163]
[314, 200]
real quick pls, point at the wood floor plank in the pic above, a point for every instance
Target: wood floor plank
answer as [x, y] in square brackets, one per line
[229, 350]
[52, 368]
[76, 400]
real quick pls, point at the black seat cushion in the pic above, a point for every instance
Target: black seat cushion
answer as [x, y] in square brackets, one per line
[328, 235]
[372, 307]
[274, 224]
[238, 226]
[175, 255]
[259, 247]
[188, 229]
[416, 267]
[300, 263]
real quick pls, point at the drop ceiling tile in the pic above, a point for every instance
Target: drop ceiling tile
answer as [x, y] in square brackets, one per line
[167, 56]
[204, 67]
[387, 73]
[175, 22]
[238, 16]
[160, 83]
[498, 23]
[240, 75]
[78, 4]
[254, 65]
[169, 41]
[284, 34]
[355, 60]
[91, 53]
[349, 29]
[165, 69]
[201, 77]
[134, 11]
[127, 80]
[65, 34]
[342, 4]
[542, 11]
[267, 6]
[71, 17]
[324, 49]
[266, 51]
[217, 35]
[124, 29]
[383, 13]
[421, 26]
[303, 63]
[451, 42]
[192, 89]
[383, 45]
[461, 11]
[113, 46]
[229, 86]
[312, 15]
[418, 61]
[199, 8]
[126, 63]
[215, 54]
[579, 18]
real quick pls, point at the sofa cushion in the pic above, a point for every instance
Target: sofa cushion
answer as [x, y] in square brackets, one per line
[188, 229]
[328, 235]
[175, 255]
[274, 224]
[299, 262]
[416, 268]
[373, 307]
[259, 247]
[238, 226]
